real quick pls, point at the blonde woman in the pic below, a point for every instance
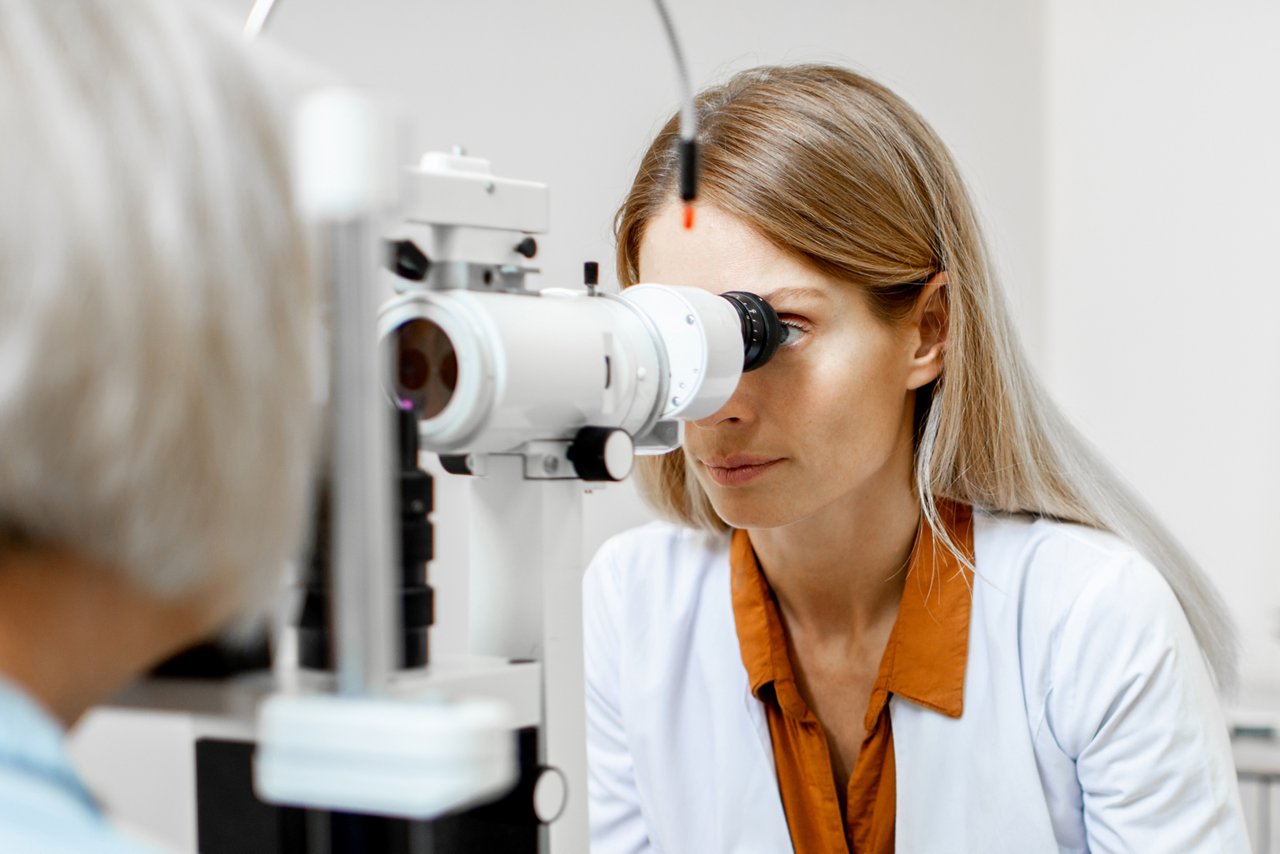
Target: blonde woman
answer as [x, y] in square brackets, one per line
[157, 317]
[900, 603]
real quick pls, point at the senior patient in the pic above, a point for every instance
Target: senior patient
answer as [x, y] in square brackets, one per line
[156, 315]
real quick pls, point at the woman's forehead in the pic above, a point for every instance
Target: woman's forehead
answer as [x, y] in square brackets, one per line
[721, 253]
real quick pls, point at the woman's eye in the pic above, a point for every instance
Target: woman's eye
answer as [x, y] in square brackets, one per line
[791, 333]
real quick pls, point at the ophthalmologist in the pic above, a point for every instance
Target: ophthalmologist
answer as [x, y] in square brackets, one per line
[899, 604]
[157, 354]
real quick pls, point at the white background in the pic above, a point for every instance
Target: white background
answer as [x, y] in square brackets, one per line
[1123, 155]
[1161, 288]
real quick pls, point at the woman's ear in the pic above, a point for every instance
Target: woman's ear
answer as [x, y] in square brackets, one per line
[928, 327]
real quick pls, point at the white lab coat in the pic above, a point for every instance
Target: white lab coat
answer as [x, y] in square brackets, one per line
[1090, 722]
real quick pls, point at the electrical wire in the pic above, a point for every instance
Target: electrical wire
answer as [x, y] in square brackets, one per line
[688, 115]
[688, 147]
[261, 11]
[257, 19]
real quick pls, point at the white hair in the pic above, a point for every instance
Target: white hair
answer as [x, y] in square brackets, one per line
[157, 307]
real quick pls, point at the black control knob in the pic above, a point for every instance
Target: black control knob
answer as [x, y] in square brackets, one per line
[527, 247]
[456, 464]
[407, 261]
[602, 453]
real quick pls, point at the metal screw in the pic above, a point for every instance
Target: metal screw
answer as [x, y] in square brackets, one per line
[550, 464]
[690, 319]
[675, 401]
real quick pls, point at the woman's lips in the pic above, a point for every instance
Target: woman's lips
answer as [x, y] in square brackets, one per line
[737, 470]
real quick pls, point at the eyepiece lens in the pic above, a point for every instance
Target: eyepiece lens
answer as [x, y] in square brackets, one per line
[426, 367]
[414, 369]
[761, 331]
[449, 370]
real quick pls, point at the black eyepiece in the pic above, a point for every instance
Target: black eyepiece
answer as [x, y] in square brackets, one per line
[761, 331]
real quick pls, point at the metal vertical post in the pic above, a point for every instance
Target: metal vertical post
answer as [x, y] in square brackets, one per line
[365, 541]
[344, 164]
[526, 603]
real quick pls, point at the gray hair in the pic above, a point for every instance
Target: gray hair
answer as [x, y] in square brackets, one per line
[158, 332]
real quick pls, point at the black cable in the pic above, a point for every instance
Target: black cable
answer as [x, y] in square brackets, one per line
[688, 111]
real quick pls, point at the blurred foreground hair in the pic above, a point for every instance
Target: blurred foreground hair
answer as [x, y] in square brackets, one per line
[158, 319]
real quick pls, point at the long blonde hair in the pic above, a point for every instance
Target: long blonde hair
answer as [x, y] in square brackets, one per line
[842, 173]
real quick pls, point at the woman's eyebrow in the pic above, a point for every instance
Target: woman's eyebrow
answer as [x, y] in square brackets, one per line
[793, 293]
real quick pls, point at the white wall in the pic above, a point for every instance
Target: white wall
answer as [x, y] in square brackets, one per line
[1163, 288]
[571, 92]
[1123, 155]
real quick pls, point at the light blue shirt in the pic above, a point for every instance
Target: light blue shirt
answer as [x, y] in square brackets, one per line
[44, 807]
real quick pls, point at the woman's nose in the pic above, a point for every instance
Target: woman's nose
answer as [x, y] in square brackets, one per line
[738, 409]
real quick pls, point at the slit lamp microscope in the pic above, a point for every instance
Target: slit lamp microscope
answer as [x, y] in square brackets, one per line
[362, 741]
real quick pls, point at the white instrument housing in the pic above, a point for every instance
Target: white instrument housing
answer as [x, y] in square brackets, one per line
[490, 372]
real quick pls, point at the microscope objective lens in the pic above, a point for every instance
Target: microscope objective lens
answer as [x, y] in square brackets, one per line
[426, 367]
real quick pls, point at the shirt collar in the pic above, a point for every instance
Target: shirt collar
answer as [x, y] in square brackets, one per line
[925, 658]
[760, 634]
[32, 740]
[928, 649]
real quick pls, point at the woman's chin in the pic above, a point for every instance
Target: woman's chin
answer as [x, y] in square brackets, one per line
[747, 512]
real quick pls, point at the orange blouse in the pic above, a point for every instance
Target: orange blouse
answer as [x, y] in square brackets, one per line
[923, 661]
